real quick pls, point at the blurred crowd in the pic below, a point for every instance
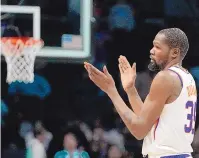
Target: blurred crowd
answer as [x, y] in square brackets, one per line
[74, 116]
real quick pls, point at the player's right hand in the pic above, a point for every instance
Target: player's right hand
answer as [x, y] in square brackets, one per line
[127, 73]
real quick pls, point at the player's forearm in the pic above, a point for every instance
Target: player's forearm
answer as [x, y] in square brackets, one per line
[135, 100]
[134, 123]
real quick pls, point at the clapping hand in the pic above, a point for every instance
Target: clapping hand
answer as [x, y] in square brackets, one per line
[128, 73]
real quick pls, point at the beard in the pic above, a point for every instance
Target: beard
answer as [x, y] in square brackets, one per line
[153, 66]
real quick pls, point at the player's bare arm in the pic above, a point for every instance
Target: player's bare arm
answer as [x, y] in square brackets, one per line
[160, 92]
[128, 77]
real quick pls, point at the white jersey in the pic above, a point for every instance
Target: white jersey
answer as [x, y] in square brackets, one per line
[173, 132]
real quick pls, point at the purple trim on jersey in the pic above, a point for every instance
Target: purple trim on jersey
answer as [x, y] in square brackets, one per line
[156, 127]
[177, 156]
[178, 76]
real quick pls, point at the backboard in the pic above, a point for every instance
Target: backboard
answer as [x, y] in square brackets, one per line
[52, 25]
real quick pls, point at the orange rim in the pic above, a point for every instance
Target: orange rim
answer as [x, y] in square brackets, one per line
[23, 39]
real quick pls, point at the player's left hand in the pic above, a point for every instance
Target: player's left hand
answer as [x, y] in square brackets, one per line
[128, 73]
[101, 79]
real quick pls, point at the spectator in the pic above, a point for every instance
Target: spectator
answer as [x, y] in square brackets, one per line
[86, 130]
[115, 138]
[98, 144]
[114, 152]
[37, 139]
[121, 16]
[71, 148]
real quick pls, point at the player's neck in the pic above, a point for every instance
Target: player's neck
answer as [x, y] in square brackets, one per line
[173, 63]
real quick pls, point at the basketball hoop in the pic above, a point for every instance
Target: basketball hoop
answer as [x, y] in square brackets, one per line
[20, 54]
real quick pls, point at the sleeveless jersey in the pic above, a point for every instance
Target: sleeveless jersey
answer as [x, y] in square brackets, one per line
[174, 130]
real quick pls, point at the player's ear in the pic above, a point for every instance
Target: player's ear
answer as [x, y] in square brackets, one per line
[175, 52]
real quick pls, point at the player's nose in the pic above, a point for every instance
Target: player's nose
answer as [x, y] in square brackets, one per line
[152, 52]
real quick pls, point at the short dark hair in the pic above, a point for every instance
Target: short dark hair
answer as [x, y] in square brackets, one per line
[176, 38]
[37, 132]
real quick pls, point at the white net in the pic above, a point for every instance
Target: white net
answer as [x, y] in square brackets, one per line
[20, 57]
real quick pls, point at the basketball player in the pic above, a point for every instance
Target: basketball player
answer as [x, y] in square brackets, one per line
[166, 119]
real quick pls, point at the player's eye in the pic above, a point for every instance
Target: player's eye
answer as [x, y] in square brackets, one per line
[157, 47]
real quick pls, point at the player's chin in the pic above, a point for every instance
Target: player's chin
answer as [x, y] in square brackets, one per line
[153, 66]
